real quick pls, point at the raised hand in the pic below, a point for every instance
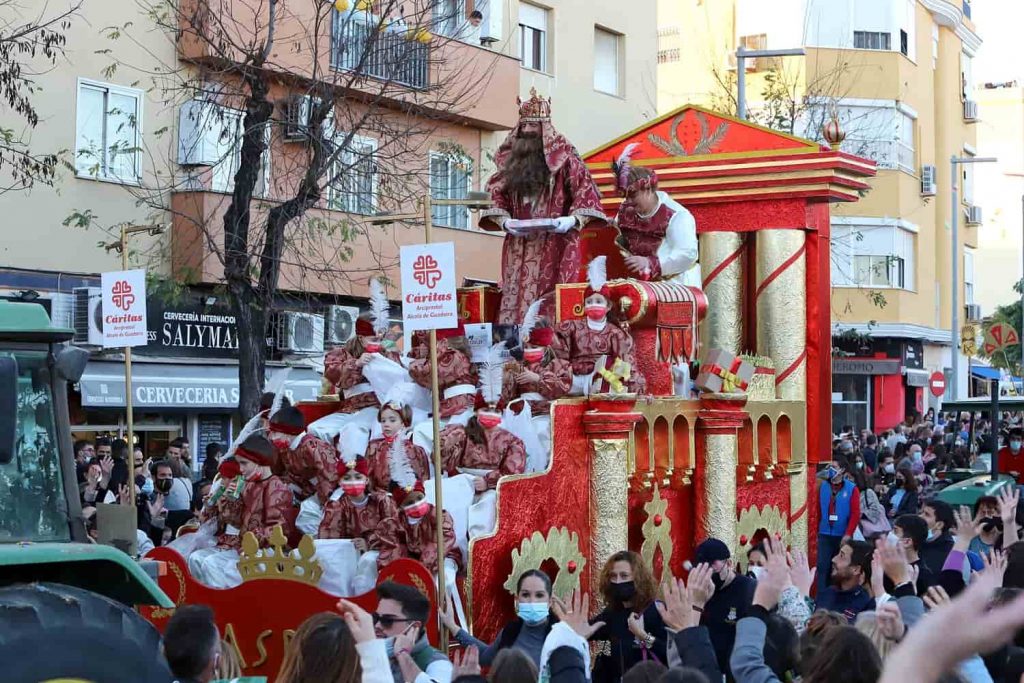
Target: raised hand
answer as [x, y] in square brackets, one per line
[359, 621]
[775, 575]
[156, 506]
[966, 529]
[893, 559]
[124, 497]
[890, 621]
[467, 664]
[676, 610]
[448, 618]
[936, 597]
[877, 576]
[574, 615]
[1008, 499]
[700, 587]
[800, 574]
[995, 564]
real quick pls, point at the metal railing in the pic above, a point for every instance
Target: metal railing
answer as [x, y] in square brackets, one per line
[386, 52]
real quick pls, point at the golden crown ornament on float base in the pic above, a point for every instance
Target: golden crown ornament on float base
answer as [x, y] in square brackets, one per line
[276, 562]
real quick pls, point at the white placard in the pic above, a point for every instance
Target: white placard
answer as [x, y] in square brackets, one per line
[124, 308]
[428, 287]
[479, 337]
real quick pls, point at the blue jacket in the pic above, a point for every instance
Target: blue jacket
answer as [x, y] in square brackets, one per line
[838, 527]
[848, 603]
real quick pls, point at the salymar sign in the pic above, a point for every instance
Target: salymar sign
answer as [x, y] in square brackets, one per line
[187, 328]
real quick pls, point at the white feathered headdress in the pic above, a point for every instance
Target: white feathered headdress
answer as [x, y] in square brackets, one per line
[597, 276]
[398, 464]
[379, 307]
[621, 165]
[352, 442]
[276, 387]
[248, 429]
[529, 321]
[491, 374]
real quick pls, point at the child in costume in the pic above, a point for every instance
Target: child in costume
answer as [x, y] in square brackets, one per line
[382, 454]
[600, 352]
[348, 544]
[456, 377]
[266, 503]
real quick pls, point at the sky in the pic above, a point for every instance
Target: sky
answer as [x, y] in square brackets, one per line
[998, 23]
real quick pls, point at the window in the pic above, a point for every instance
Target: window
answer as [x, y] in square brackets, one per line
[881, 130]
[967, 182]
[108, 132]
[607, 60]
[354, 178]
[966, 76]
[668, 56]
[968, 276]
[871, 40]
[451, 177]
[905, 155]
[872, 252]
[533, 40]
[851, 396]
[450, 18]
[226, 129]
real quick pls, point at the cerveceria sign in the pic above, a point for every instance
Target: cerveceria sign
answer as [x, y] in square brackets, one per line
[189, 330]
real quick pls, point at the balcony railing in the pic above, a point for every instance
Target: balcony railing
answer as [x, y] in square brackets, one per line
[388, 53]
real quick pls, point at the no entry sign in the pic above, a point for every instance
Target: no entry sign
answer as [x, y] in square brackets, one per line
[937, 384]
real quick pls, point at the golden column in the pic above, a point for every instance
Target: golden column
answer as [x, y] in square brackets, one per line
[798, 506]
[720, 418]
[721, 270]
[608, 426]
[781, 296]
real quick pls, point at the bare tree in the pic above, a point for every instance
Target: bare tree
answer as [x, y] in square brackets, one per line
[30, 39]
[309, 103]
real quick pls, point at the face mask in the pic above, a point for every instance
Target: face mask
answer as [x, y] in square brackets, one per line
[281, 444]
[147, 487]
[892, 539]
[717, 579]
[859, 465]
[917, 456]
[488, 420]
[596, 312]
[889, 468]
[418, 511]
[755, 573]
[164, 485]
[372, 347]
[623, 591]
[353, 489]
[932, 534]
[533, 355]
[389, 646]
[389, 439]
[532, 612]
[1015, 446]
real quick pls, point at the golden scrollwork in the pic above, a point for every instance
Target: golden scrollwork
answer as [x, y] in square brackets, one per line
[770, 518]
[275, 562]
[720, 487]
[609, 493]
[559, 545]
[166, 612]
[657, 530]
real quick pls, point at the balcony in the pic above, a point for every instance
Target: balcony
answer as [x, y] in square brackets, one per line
[357, 44]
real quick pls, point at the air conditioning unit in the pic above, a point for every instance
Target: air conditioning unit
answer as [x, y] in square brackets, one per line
[928, 184]
[974, 215]
[970, 110]
[973, 313]
[88, 315]
[341, 324]
[300, 333]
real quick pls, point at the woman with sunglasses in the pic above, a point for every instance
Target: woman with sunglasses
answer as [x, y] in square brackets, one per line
[526, 632]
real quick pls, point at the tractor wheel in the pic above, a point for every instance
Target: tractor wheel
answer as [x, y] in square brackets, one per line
[53, 631]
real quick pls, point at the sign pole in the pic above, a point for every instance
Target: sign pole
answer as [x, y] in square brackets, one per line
[128, 386]
[435, 399]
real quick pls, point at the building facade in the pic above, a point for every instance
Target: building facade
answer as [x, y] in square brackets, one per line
[897, 76]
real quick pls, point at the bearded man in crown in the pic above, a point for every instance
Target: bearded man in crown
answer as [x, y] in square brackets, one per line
[543, 194]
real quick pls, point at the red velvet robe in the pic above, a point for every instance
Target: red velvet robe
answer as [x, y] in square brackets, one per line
[342, 370]
[582, 347]
[555, 382]
[419, 541]
[312, 467]
[453, 368]
[503, 454]
[344, 519]
[265, 504]
[380, 470]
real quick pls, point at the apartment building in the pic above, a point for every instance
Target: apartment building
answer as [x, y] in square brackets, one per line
[898, 76]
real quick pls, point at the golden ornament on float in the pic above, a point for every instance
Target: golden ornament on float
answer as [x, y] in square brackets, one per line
[833, 131]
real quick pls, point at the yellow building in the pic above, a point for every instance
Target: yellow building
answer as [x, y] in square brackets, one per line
[897, 74]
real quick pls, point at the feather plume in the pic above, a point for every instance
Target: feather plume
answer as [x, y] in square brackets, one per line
[529, 321]
[248, 429]
[597, 273]
[379, 306]
[276, 386]
[398, 463]
[621, 164]
[352, 442]
[491, 373]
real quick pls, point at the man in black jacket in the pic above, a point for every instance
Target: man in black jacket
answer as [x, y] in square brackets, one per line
[192, 644]
[730, 601]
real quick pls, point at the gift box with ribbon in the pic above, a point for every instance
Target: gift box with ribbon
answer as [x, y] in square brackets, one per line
[724, 373]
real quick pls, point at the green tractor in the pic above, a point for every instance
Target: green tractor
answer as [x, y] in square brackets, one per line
[54, 581]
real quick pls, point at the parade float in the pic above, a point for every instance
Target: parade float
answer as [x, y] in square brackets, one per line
[655, 473]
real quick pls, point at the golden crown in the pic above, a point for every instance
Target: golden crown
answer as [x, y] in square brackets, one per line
[275, 562]
[534, 109]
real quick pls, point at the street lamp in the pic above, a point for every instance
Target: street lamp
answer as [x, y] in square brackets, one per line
[742, 54]
[472, 201]
[122, 247]
[954, 161]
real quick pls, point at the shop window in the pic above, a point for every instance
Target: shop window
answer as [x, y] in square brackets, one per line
[851, 400]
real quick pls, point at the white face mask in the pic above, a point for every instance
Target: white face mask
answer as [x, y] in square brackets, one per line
[890, 468]
[756, 572]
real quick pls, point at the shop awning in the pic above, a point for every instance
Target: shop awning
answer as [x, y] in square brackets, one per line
[179, 385]
[985, 372]
[916, 378]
